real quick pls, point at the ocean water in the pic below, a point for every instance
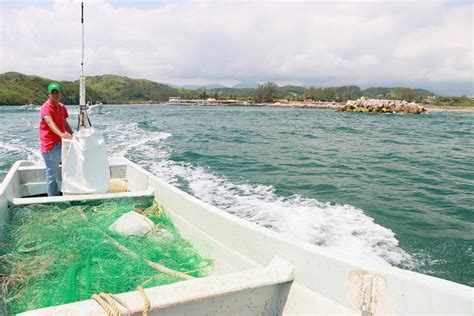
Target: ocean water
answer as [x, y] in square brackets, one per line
[395, 189]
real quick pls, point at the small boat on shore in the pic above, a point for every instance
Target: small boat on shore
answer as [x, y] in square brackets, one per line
[256, 271]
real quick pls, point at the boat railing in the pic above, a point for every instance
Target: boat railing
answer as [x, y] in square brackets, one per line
[261, 291]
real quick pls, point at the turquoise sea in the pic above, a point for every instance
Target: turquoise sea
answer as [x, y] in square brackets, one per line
[389, 188]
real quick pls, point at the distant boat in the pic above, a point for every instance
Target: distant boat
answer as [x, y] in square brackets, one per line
[29, 106]
[95, 108]
[175, 100]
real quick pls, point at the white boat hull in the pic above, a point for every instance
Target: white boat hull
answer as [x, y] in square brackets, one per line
[324, 282]
[95, 109]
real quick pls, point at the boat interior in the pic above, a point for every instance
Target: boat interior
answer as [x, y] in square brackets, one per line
[256, 272]
[242, 288]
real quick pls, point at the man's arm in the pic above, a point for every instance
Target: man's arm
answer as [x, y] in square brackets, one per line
[68, 128]
[55, 129]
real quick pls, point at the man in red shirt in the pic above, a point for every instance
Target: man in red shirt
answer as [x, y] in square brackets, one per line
[53, 127]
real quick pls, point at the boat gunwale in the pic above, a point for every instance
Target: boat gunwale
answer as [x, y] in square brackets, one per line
[402, 283]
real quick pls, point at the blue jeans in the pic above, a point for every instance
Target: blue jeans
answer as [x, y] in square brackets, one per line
[51, 160]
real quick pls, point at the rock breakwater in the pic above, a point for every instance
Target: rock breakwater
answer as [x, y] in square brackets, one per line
[382, 106]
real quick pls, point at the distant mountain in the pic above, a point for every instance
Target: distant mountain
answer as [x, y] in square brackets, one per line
[214, 86]
[246, 85]
[396, 92]
[349, 92]
[172, 85]
[118, 89]
[291, 90]
[17, 88]
[232, 93]
[190, 86]
[205, 86]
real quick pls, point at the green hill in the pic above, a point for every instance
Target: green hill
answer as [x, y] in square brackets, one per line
[117, 89]
[17, 89]
[231, 93]
[288, 91]
[334, 94]
[397, 93]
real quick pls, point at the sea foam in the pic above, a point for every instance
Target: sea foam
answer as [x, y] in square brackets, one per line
[340, 227]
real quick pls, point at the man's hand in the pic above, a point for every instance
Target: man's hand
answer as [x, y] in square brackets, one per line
[66, 135]
[55, 129]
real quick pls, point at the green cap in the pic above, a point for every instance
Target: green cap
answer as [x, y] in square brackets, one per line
[54, 86]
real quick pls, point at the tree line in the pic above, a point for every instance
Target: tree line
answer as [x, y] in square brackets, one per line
[16, 88]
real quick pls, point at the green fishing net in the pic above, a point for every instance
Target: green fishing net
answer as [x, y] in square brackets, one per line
[63, 253]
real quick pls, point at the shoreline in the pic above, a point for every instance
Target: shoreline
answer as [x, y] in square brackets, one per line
[321, 106]
[438, 109]
[303, 105]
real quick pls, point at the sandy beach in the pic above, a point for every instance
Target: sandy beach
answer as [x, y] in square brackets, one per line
[448, 109]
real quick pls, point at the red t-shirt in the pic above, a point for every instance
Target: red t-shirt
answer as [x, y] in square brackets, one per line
[47, 137]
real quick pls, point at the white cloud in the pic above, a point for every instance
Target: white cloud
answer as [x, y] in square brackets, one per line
[322, 43]
[444, 51]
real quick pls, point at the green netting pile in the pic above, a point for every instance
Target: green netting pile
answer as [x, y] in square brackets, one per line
[58, 253]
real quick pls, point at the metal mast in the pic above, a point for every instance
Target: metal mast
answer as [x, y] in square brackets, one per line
[82, 83]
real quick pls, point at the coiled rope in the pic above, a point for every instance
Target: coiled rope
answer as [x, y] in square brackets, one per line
[108, 304]
[146, 305]
[111, 305]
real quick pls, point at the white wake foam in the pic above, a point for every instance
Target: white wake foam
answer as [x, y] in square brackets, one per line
[18, 147]
[131, 138]
[343, 228]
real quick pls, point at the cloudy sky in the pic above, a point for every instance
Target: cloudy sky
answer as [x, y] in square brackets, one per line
[424, 44]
